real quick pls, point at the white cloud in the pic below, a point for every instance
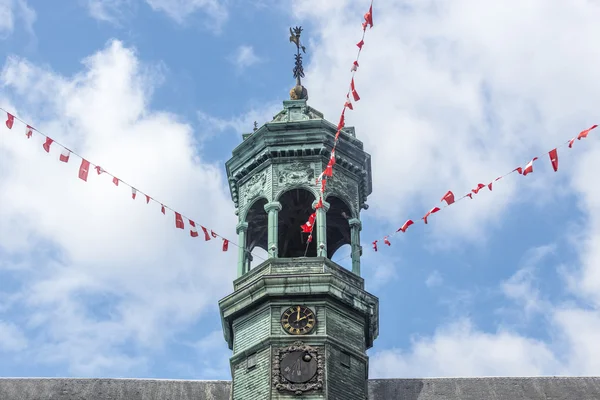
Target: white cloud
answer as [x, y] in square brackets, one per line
[104, 271]
[462, 350]
[455, 102]
[11, 338]
[114, 11]
[241, 123]
[457, 93]
[179, 10]
[244, 57]
[12, 11]
[434, 279]
[7, 23]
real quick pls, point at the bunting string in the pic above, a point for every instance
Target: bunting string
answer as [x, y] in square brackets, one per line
[86, 166]
[328, 171]
[449, 198]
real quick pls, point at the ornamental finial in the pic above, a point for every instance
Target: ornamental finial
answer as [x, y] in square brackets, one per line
[298, 92]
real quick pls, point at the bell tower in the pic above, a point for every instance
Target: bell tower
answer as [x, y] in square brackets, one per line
[299, 324]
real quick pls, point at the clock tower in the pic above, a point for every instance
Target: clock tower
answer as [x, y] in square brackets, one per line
[299, 324]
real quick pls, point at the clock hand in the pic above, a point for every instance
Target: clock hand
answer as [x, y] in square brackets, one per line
[298, 317]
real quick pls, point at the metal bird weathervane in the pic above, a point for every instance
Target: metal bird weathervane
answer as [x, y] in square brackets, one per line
[298, 92]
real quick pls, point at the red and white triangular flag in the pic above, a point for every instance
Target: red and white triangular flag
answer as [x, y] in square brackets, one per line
[64, 155]
[10, 120]
[84, 168]
[404, 227]
[432, 211]
[193, 230]
[178, 221]
[529, 167]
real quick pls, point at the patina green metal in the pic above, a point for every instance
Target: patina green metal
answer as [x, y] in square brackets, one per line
[288, 153]
[272, 176]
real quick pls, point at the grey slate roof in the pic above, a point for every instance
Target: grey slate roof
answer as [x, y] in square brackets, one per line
[546, 388]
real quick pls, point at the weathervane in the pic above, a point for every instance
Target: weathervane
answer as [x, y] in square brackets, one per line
[299, 91]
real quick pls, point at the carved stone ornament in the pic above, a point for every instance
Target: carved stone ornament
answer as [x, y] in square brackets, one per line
[298, 368]
[255, 186]
[295, 173]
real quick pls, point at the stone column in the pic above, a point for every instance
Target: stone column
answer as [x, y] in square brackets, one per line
[355, 228]
[321, 228]
[241, 229]
[273, 209]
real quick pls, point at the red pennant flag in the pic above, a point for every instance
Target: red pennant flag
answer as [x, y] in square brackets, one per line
[583, 134]
[519, 170]
[360, 44]
[404, 227]
[47, 144]
[498, 178]
[469, 195]
[225, 244]
[329, 169]
[529, 167]
[193, 230]
[490, 186]
[116, 182]
[99, 169]
[319, 204]
[178, 221]
[348, 103]
[213, 234]
[342, 122]
[84, 169]
[147, 199]
[337, 134]
[28, 131]
[206, 235]
[375, 245]
[162, 208]
[479, 187]
[308, 226]
[369, 17]
[10, 120]
[432, 211]
[386, 241]
[448, 197]
[554, 159]
[309, 239]
[133, 193]
[323, 184]
[64, 155]
[571, 143]
[353, 90]
[354, 66]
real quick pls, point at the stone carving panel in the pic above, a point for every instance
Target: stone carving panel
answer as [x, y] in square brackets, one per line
[298, 368]
[258, 185]
[294, 175]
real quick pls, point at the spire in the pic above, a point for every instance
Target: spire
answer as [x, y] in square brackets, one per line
[298, 92]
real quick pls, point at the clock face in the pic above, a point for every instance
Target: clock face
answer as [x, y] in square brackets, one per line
[298, 320]
[298, 367]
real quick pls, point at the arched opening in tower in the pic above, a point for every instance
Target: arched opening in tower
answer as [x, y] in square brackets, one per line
[296, 207]
[258, 224]
[338, 226]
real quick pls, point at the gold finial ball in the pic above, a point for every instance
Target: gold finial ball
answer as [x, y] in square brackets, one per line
[298, 92]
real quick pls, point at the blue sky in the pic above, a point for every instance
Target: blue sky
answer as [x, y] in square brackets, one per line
[159, 92]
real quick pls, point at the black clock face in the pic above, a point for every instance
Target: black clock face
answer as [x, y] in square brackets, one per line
[298, 320]
[298, 367]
